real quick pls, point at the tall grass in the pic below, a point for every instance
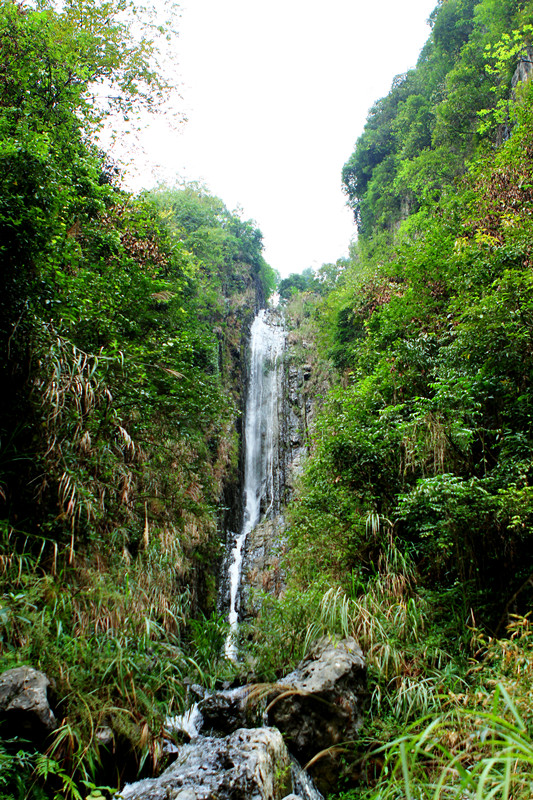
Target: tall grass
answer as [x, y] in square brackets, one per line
[479, 744]
[113, 637]
[389, 620]
[469, 755]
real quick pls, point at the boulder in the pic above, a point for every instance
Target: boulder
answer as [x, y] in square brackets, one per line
[24, 705]
[229, 709]
[250, 764]
[319, 705]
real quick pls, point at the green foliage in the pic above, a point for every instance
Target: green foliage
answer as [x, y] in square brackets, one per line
[122, 321]
[479, 745]
[54, 63]
[18, 761]
[57, 58]
[207, 639]
[504, 55]
[297, 282]
[122, 324]
[430, 425]
[284, 632]
[422, 449]
[227, 248]
[418, 138]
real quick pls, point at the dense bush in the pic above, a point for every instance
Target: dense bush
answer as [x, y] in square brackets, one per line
[123, 324]
[423, 446]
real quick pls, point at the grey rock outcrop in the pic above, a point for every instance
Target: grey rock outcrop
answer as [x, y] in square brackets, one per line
[227, 710]
[263, 570]
[302, 785]
[316, 707]
[24, 705]
[320, 705]
[297, 411]
[251, 764]
[524, 69]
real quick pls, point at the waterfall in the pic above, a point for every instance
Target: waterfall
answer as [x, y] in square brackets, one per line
[226, 711]
[261, 438]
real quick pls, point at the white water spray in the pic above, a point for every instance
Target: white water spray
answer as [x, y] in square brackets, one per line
[261, 436]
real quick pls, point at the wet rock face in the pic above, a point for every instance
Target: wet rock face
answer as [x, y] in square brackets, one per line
[263, 569]
[227, 710]
[251, 764]
[296, 414]
[524, 69]
[24, 706]
[265, 544]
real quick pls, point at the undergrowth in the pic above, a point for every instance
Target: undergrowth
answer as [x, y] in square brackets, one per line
[440, 723]
[118, 642]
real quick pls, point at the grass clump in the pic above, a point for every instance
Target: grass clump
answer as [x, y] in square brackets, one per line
[118, 642]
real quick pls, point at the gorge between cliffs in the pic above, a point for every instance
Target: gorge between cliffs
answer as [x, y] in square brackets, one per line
[276, 414]
[235, 748]
[305, 526]
[261, 445]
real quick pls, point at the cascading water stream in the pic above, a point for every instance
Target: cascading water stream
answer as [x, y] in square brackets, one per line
[260, 498]
[261, 436]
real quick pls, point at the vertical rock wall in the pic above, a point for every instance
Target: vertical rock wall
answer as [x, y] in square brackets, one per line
[266, 544]
[259, 488]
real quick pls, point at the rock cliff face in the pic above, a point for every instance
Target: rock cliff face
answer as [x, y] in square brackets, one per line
[524, 70]
[266, 544]
[234, 364]
[297, 411]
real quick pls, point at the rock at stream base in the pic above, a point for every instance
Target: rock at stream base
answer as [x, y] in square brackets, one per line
[229, 709]
[24, 703]
[320, 704]
[317, 706]
[251, 764]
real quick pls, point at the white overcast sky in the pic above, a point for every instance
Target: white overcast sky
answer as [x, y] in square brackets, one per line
[276, 93]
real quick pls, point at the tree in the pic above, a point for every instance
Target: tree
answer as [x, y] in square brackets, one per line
[297, 282]
[84, 56]
[54, 67]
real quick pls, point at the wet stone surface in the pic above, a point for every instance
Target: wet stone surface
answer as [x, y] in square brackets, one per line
[250, 764]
